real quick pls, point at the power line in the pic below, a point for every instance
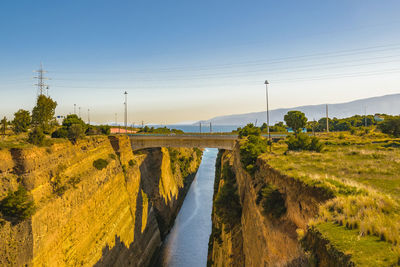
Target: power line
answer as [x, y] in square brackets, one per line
[283, 69]
[339, 53]
[41, 78]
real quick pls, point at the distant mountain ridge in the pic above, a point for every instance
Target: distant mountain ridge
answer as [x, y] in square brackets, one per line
[388, 104]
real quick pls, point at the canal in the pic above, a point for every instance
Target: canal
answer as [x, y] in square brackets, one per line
[187, 243]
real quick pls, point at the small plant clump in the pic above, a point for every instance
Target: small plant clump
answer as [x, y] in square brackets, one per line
[17, 205]
[36, 136]
[100, 164]
[273, 201]
[302, 141]
[58, 187]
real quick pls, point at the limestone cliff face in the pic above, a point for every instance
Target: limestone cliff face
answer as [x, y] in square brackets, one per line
[116, 215]
[226, 244]
[265, 240]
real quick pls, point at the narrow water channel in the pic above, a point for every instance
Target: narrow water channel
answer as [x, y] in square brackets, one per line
[187, 243]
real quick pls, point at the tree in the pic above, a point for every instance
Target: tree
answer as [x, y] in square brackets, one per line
[73, 119]
[43, 112]
[60, 133]
[75, 132]
[22, 120]
[248, 130]
[295, 120]
[105, 129]
[4, 124]
[391, 126]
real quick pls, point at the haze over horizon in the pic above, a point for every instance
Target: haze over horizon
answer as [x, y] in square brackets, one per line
[196, 60]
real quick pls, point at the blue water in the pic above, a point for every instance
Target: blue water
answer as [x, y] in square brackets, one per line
[187, 243]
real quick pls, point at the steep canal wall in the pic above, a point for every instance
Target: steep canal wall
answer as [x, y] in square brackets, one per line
[96, 202]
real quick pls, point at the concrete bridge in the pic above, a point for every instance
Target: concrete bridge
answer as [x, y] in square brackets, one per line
[140, 141]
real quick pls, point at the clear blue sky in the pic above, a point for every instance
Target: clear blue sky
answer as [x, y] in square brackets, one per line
[192, 60]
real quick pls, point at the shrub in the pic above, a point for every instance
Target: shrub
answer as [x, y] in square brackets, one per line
[104, 129]
[17, 205]
[75, 132]
[74, 181]
[92, 131]
[60, 133]
[273, 201]
[250, 151]
[100, 164]
[58, 187]
[302, 141]
[36, 136]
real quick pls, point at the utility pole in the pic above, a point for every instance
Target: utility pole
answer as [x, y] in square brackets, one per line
[327, 119]
[88, 116]
[266, 96]
[126, 112]
[75, 109]
[210, 128]
[200, 127]
[40, 83]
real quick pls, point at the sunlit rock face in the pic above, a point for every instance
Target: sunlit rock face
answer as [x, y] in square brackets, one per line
[259, 239]
[111, 216]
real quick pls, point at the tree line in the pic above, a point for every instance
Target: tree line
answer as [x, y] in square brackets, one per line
[296, 119]
[42, 122]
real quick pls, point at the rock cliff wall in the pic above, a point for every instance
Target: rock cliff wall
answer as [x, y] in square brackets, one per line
[264, 237]
[113, 215]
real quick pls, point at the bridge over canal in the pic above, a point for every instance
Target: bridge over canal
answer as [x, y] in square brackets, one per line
[141, 141]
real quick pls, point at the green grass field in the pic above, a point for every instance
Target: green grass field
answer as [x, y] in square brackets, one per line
[362, 171]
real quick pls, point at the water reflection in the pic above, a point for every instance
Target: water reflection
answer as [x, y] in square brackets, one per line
[187, 243]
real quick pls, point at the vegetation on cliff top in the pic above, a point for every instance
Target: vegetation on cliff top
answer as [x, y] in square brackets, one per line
[251, 148]
[362, 173]
[358, 170]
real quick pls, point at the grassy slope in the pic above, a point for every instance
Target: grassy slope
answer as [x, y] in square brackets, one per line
[363, 172]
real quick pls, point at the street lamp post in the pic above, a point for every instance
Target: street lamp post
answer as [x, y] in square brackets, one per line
[126, 112]
[266, 94]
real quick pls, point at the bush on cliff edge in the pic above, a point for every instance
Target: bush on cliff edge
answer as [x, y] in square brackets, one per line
[17, 205]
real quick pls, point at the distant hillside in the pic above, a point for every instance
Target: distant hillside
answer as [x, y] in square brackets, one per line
[389, 104]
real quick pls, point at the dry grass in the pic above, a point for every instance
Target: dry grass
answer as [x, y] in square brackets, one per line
[363, 173]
